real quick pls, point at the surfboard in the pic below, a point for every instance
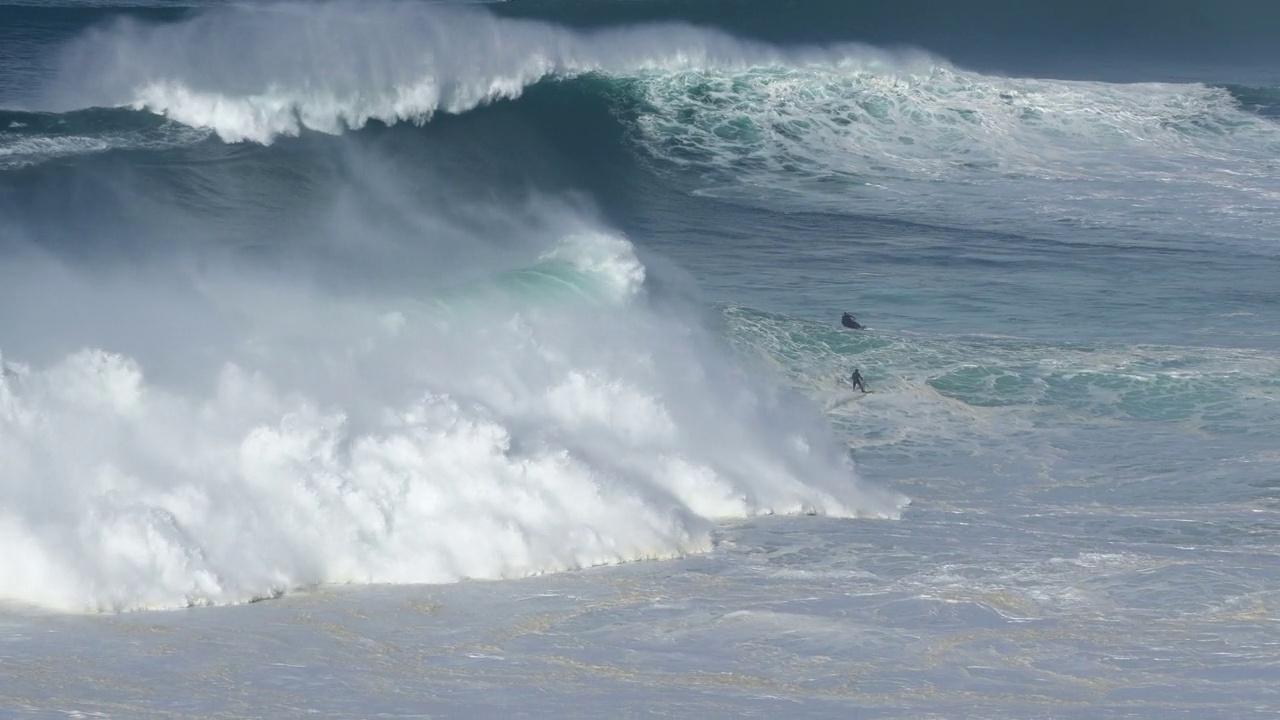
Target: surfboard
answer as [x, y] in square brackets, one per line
[843, 398]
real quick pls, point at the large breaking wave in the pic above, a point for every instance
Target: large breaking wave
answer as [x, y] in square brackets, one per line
[229, 377]
[258, 72]
[508, 427]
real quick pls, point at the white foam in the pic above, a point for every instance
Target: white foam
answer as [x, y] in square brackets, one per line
[375, 441]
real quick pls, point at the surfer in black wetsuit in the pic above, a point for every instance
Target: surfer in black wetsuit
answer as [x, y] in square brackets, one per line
[856, 379]
[850, 322]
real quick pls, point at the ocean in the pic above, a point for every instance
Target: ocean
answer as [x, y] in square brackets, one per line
[403, 358]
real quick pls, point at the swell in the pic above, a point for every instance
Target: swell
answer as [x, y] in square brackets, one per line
[808, 122]
[923, 143]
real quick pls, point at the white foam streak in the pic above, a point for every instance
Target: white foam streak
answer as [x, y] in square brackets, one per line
[19, 149]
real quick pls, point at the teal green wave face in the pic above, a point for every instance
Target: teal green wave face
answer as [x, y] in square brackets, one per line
[1205, 390]
[592, 269]
[549, 283]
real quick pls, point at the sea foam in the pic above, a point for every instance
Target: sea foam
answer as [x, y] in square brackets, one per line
[395, 442]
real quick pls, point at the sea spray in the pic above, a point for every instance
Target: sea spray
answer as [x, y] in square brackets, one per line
[397, 443]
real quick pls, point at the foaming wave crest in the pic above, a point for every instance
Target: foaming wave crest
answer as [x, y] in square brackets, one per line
[381, 440]
[256, 72]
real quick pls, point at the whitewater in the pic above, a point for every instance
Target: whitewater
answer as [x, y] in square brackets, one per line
[417, 358]
[340, 65]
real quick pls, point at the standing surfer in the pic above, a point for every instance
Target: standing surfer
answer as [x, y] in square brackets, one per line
[856, 379]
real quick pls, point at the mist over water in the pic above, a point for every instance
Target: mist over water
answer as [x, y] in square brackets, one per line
[354, 370]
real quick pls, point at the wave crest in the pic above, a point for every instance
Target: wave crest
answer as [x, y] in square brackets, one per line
[254, 73]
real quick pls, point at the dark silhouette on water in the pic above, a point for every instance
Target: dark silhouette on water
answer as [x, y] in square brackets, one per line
[856, 379]
[851, 322]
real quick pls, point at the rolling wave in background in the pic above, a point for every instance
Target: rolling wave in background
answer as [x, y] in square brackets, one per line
[818, 127]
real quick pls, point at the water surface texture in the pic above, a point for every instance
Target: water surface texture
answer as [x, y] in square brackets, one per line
[463, 358]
